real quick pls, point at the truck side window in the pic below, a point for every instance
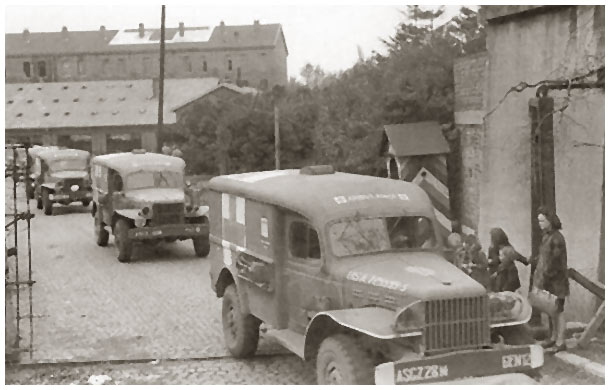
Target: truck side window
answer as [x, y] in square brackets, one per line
[304, 241]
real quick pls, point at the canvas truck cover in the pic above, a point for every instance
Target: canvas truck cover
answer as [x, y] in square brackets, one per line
[326, 197]
[63, 154]
[126, 163]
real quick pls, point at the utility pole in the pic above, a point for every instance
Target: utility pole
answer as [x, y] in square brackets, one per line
[276, 116]
[161, 76]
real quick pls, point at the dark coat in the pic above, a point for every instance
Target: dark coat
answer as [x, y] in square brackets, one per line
[507, 276]
[551, 272]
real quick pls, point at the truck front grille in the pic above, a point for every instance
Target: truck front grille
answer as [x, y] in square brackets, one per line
[458, 323]
[168, 213]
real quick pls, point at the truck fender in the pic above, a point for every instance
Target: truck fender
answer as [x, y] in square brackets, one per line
[375, 322]
[226, 278]
[201, 211]
[48, 186]
[128, 213]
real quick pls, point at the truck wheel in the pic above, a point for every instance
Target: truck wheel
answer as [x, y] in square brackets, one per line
[341, 361]
[122, 241]
[241, 330]
[47, 204]
[201, 245]
[516, 335]
[86, 202]
[29, 191]
[101, 234]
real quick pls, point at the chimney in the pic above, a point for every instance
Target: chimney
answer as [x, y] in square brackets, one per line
[222, 23]
[257, 23]
[26, 35]
[64, 32]
[155, 87]
[103, 32]
[141, 30]
[181, 29]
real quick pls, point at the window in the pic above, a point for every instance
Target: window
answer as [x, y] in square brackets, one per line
[230, 66]
[122, 66]
[106, 66]
[146, 65]
[80, 66]
[304, 241]
[205, 66]
[42, 69]
[187, 64]
[27, 69]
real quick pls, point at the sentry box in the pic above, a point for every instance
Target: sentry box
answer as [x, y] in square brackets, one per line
[347, 270]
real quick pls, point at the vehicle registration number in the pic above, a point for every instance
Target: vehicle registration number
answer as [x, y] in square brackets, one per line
[418, 373]
[516, 360]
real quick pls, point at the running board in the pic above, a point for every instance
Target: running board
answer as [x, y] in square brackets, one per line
[291, 340]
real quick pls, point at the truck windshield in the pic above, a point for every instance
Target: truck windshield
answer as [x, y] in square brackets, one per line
[68, 165]
[358, 236]
[150, 179]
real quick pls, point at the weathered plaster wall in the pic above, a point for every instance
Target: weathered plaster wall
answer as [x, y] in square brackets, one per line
[561, 43]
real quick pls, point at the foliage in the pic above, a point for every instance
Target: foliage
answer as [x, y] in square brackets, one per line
[337, 118]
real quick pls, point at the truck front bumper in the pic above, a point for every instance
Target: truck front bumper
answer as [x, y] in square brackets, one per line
[186, 230]
[461, 364]
[72, 196]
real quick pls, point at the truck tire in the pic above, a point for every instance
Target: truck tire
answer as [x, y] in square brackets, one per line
[86, 202]
[122, 240]
[47, 204]
[241, 331]
[101, 234]
[341, 361]
[201, 245]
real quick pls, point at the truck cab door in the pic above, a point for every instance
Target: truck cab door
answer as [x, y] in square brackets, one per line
[304, 281]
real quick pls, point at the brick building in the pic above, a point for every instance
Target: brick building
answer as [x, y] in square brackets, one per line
[252, 55]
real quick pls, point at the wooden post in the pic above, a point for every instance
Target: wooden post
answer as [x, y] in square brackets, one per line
[276, 116]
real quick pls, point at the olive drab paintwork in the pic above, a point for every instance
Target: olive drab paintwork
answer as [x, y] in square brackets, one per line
[59, 176]
[147, 191]
[314, 253]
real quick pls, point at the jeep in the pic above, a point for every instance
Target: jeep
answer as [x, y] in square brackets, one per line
[348, 271]
[58, 176]
[141, 197]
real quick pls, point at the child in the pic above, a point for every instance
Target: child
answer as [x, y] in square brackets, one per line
[506, 278]
[476, 262]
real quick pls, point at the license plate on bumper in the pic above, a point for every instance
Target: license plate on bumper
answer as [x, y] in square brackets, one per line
[190, 230]
[460, 364]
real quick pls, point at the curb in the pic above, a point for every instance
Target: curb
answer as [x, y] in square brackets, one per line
[584, 363]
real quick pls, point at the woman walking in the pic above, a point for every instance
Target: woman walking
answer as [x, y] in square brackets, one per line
[551, 275]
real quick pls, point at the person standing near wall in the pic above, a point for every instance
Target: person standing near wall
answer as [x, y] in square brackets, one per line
[551, 275]
[499, 240]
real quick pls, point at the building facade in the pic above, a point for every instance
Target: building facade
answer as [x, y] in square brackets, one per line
[540, 110]
[250, 55]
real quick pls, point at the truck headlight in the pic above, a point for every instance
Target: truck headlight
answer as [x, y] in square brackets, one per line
[412, 317]
[144, 212]
[140, 222]
[508, 308]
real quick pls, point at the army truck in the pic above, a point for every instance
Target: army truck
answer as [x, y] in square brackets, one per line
[347, 271]
[141, 197]
[59, 176]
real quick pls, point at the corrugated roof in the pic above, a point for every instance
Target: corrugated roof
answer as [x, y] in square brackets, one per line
[73, 42]
[229, 86]
[416, 139]
[96, 103]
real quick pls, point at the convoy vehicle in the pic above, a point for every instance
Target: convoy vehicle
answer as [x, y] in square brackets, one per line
[59, 176]
[141, 197]
[347, 271]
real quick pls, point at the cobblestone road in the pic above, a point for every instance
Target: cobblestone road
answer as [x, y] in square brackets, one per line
[88, 306]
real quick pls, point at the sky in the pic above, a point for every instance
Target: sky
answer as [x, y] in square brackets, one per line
[328, 36]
